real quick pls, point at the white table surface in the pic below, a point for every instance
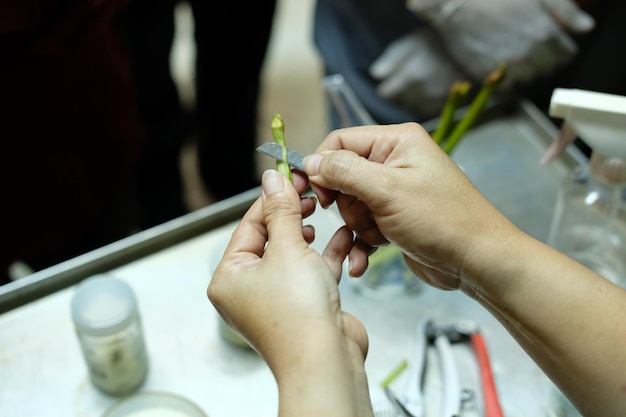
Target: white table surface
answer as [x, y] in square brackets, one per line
[42, 372]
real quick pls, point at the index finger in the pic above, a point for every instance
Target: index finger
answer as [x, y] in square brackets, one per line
[375, 143]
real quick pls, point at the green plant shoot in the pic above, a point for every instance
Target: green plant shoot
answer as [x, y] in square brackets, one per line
[488, 87]
[456, 95]
[278, 131]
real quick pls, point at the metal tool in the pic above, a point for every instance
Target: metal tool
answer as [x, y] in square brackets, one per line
[412, 397]
[411, 402]
[467, 330]
[274, 150]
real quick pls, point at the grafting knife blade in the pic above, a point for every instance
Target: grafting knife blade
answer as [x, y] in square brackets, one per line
[274, 150]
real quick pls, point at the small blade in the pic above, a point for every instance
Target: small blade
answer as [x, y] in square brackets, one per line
[274, 150]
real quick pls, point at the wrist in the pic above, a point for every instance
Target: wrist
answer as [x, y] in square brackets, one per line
[323, 363]
[300, 349]
[492, 259]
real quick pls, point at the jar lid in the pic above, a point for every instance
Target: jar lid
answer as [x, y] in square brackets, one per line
[103, 305]
[154, 404]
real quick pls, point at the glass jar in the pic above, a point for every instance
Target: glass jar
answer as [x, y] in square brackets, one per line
[108, 326]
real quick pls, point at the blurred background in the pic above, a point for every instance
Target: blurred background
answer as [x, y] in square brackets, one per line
[81, 71]
[290, 86]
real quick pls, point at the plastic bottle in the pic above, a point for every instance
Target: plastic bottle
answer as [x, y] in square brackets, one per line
[589, 222]
[108, 326]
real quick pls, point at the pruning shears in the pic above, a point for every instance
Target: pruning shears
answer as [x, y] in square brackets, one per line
[411, 402]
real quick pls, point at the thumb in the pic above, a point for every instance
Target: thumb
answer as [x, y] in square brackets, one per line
[345, 171]
[281, 208]
[569, 15]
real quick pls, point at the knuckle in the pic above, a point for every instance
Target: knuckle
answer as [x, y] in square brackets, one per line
[279, 207]
[341, 166]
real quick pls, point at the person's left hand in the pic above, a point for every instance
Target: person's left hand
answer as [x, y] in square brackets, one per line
[273, 288]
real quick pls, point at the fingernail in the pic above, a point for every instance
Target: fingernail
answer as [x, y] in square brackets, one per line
[311, 164]
[272, 182]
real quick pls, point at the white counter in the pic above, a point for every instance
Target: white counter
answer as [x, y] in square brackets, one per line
[42, 372]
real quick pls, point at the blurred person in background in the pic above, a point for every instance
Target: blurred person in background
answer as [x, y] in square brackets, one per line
[71, 131]
[227, 86]
[401, 57]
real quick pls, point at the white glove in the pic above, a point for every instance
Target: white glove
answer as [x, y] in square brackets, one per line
[530, 36]
[416, 73]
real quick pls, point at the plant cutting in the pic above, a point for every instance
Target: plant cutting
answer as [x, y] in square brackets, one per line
[278, 131]
[458, 92]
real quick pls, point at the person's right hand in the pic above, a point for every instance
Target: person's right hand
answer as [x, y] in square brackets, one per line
[415, 72]
[530, 36]
[395, 184]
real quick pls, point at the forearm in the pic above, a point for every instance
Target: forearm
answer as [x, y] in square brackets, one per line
[320, 374]
[568, 319]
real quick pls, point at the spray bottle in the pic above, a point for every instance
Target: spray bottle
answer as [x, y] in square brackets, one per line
[589, 222]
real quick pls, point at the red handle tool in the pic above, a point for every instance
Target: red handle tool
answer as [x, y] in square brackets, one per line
[490, 394]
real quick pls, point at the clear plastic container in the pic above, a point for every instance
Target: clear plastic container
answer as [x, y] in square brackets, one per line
[589, 223]
[387, 275]
[108, 326]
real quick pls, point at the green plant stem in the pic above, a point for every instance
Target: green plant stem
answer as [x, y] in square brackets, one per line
[476, 107]
[278, 131]
[394, 373]
[457, 94]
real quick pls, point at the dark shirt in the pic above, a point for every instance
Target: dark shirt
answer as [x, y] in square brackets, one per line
[70, 130]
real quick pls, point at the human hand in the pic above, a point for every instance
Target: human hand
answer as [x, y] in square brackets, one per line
[530, 36]
[395, 184]
[415, 72]
[275, 290]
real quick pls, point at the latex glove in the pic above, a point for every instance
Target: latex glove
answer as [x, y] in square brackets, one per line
[415, 72]
[531, 36]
